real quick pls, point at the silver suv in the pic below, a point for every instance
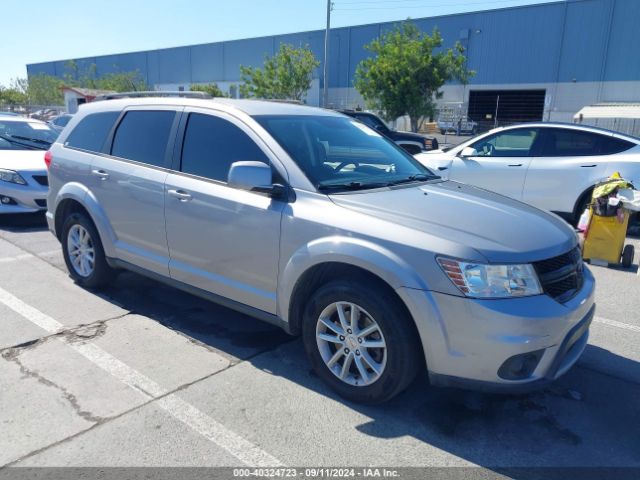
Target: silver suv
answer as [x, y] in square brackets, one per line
[312, 221]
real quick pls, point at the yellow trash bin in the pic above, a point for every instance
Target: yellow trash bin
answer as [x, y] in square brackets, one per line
[604, 240]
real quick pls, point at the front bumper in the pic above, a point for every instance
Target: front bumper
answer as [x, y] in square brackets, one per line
[24, 198]
[466, 340]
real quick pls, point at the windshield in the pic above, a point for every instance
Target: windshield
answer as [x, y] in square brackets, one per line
[341, 153]
[26, 135]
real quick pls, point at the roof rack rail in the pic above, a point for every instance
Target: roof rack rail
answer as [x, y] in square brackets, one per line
[156, 93]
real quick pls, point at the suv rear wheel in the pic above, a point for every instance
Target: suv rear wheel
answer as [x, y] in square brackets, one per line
[83, 252]
[360, 342]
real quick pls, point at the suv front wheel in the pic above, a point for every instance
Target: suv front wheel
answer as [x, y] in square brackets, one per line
[360, 342]
[83, 252]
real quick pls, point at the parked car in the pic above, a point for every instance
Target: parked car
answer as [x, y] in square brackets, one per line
[552, 166]
[315, 222]
[411, 142]
[23, 175]
[58, 123]
[465, 126]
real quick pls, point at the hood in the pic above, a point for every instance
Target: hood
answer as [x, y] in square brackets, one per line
[23, 160]
[400, 135]
[497, 227]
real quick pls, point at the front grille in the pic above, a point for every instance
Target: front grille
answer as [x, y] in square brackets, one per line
[41, 202]
[42, 180]
[561, 277]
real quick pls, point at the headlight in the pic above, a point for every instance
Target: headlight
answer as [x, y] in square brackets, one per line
[11, 177]
[492, 281]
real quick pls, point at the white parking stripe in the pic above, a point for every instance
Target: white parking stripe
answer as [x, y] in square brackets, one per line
[614, 323]
[24, 256]
[183, 411]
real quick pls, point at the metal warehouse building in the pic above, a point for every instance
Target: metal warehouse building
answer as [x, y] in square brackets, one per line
[533, 62]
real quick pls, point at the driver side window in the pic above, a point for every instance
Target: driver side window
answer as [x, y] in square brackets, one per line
[511, 143]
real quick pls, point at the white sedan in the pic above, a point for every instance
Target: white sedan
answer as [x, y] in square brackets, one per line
[552, 166]
[23, 173]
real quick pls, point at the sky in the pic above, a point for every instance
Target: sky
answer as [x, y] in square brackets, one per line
[46, 31]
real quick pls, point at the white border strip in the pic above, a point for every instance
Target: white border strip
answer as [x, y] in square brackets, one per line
[242, 449]
[614, 323]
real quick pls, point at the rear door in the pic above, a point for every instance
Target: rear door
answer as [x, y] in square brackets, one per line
[222, 239]
[501, 163]
[128, 183]
[570, 163]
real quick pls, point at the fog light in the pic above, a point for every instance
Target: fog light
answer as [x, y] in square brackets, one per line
[7, 200]
[520, 366]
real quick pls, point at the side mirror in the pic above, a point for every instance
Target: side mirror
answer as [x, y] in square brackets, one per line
[252, 176]
[468, 152]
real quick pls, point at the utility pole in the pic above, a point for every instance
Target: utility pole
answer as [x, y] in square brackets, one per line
[325, 73]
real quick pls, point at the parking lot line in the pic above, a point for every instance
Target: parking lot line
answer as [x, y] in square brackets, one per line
[614, 323]
[203, 424]
[24, 256]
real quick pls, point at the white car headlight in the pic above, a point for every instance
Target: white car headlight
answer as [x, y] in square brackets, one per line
[480, 280]
[11, 177]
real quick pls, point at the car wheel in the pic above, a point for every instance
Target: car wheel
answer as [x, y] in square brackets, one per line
[83, 252]
[627, 256]
[360, 341]
[443, 132]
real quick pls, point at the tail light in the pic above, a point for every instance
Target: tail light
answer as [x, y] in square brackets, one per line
[47, 158]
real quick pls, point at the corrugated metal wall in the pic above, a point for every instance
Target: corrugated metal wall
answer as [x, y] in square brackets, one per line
[585, 40]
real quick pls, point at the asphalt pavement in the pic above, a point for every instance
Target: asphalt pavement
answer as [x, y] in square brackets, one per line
[142, 375]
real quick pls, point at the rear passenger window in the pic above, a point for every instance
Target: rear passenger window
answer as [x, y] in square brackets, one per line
[92, 131]
[212, 144]
[569, 143]
[611, 145]
[143, 136]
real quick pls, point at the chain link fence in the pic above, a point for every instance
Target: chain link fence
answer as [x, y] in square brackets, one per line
[39, 112]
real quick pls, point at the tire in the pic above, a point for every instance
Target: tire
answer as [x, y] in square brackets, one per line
[397, 363]
[77, 227]
[627, 256]
[443, 131]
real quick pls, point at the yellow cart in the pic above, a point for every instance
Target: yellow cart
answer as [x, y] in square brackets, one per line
[604, 241]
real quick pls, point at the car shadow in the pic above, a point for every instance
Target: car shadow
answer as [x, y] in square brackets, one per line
[579, 420]
[23, 222]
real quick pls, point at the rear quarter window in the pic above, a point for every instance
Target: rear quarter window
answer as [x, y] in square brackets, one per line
[92, 131]
[611, 145]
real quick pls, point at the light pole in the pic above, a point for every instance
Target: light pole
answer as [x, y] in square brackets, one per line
[325, 73]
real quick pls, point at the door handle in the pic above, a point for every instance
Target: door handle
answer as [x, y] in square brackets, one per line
[442, 168]
[515, 165]
[589, 166]
[101, 174]
[180, 195]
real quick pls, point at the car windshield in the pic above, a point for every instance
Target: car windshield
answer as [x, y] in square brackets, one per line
[339, 153]
[26, 135]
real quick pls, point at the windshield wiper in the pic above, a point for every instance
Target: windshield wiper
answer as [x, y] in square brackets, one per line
[350, 186]
[419, 177]
[10, 139]
[34, 140]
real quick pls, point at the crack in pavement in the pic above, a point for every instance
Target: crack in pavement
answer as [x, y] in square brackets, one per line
[82, 332]
[79, 334]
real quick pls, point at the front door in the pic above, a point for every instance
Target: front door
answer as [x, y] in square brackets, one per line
[222, 239]
[501, 162]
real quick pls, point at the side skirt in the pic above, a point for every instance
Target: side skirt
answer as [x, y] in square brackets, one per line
[198, 292]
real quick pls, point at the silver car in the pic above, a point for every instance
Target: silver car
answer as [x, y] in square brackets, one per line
[314, 222]
[23, 174]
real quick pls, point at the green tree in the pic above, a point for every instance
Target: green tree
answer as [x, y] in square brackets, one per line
[15, 93]
[286, 76]
[210, 88]
[45, 90]
[116, 81]
[404, 75]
